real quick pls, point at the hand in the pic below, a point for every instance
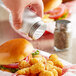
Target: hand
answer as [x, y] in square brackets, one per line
[17, 7]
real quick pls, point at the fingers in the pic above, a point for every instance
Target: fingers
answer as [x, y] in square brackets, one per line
[17, 20]
[38, 8]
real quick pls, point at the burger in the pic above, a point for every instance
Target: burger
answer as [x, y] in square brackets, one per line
[51, 4]
[55, 9]
[12, 52]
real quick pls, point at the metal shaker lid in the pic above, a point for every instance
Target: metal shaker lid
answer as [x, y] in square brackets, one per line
[63, 23]
[37, 30]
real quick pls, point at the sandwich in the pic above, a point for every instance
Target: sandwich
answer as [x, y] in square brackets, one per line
[51, 4]
[12, 52]
[55, 9]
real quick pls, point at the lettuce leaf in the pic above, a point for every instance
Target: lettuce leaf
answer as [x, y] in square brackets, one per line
[64, 16]
[13, 70]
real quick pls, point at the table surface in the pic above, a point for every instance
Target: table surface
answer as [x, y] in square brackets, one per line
[46, 42]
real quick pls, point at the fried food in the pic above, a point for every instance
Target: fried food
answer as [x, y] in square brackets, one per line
[46, 73]
[48, 66]
[37, 68]
[37, 59]
[33, 61]
[24, 64]
[58, 63]
[50, 62]
[54, 71]
[59, 70]
[24, 71]
[41, 66]
[54, 59]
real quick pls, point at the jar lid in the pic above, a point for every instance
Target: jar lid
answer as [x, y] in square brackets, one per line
[37, 30]
[63, 23]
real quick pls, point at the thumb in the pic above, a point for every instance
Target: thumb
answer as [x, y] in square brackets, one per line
[38, 8]
[17, 19]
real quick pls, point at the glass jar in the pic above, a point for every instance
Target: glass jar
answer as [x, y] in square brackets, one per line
[62, 35]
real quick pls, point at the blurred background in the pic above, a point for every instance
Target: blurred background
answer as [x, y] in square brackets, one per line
[46, 42]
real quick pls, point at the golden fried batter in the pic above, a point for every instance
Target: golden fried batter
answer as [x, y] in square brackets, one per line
[24, 71]
[48, 66]
[59, 70]
[50, 62]
[41, 66]
[37, 60]
[37, 68]
[24, 64]
[46, 73]
[54, 59]
[54, 72]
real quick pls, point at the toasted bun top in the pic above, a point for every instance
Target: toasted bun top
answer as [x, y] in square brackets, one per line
[14, 50]
[51, 4]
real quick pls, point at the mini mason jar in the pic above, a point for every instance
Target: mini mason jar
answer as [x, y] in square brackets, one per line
[62, 35]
